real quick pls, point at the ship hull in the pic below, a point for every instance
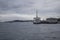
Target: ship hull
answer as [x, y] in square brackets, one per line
[36, 22]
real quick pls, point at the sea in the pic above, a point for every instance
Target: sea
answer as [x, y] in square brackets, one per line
[29, 31]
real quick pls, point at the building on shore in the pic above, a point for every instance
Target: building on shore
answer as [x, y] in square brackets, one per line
[58, 20]
[52, 20]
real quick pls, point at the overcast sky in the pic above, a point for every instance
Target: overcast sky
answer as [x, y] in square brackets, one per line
[25, 9]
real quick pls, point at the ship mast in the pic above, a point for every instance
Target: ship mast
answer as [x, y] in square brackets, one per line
[36, 13]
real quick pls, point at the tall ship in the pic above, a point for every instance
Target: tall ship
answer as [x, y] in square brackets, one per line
[36, 20]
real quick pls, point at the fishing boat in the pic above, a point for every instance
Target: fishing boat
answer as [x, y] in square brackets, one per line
[36, 20]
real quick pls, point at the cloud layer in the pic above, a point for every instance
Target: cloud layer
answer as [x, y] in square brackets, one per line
[25, 9]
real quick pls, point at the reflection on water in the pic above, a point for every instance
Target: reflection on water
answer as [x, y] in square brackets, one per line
[29, 31]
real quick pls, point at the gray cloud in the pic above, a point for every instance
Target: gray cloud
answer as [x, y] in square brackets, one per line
[14, 4]
[26, 7]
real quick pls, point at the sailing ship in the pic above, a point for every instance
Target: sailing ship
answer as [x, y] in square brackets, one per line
[36, 19]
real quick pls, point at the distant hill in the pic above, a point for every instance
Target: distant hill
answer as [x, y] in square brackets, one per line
[19, 21]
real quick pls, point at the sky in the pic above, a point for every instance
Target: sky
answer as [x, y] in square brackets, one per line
[26, 9]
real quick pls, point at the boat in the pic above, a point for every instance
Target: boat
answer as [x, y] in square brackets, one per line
[36, 20]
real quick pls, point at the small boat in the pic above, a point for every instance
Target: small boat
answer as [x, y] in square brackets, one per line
[36, 19]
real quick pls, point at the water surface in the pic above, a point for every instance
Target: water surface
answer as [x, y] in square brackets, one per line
[29, 31]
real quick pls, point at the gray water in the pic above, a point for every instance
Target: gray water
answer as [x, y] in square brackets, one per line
[29, 31]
